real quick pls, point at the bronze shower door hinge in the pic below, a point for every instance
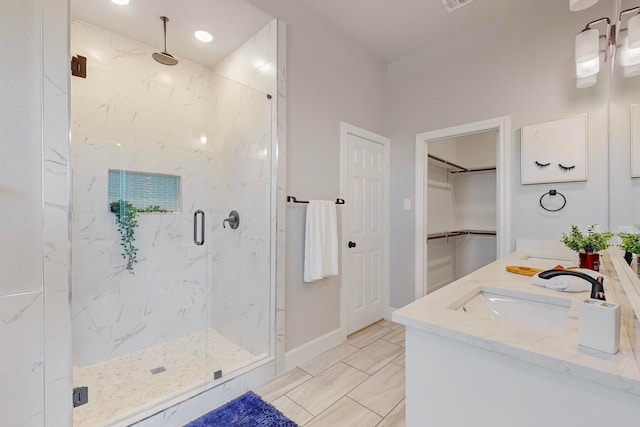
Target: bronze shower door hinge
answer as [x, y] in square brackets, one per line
[79, 66]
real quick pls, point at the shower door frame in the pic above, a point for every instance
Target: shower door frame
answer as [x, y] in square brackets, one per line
[57, 355]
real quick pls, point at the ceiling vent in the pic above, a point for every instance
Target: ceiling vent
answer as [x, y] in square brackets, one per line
[452, 5]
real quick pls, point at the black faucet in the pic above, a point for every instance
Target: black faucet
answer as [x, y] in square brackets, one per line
[597, 285]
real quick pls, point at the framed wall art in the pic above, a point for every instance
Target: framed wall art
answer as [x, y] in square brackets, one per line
[635, 141]
[554, 151]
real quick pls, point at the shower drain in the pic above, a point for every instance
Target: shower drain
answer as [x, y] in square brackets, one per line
[158, 370]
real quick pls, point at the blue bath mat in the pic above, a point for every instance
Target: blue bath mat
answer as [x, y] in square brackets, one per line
[248, 410]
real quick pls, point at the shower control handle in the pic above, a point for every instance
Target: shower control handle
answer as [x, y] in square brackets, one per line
[233, 220]
[351, 244]
[198, 240]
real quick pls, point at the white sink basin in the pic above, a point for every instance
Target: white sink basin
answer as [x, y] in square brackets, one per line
[541, 313]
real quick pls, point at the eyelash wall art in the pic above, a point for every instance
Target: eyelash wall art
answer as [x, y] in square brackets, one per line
[541, 165]
[566, 168]
[554, 151]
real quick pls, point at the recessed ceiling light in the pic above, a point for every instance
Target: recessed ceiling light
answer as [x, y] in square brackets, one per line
[203, 36]
[120, 2]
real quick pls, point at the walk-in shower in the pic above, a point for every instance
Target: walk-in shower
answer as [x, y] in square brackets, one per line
[165, 298]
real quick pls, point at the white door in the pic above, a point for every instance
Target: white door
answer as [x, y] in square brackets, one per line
[365, 234]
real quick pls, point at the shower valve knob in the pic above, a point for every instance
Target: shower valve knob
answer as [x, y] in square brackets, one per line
[352, 244]
[233, 220]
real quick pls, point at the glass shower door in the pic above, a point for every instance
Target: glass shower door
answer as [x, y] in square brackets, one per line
[140, 210]
[239, 120]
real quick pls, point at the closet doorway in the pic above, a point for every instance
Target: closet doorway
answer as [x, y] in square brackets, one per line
[462, 201]
[365, 227]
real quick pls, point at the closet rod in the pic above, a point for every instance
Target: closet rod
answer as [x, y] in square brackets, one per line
[294, 200]
[460, 233]
[462, 168]
[475, 170]
[446, 162]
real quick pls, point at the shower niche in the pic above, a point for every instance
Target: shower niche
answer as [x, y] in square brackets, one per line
[146, 192]
[191, 142]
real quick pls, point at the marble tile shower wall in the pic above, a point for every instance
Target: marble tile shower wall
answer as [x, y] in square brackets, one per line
[21, 296]
[34, 322]
[241, 146]
[135, 114]
[241, 273]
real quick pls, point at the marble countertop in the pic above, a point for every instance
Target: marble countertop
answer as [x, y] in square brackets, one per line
[555, 352]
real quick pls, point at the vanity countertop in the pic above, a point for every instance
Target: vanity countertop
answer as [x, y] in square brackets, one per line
[556, 352]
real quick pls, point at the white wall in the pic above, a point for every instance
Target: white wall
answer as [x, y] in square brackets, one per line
[329, 79]
[34, 319]
[478, 150]
[21, 288]
[521, 69]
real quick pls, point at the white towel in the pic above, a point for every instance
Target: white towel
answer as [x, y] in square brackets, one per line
[320, 241]
[567, 283]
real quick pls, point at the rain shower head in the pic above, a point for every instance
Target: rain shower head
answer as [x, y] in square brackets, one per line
[164, 57]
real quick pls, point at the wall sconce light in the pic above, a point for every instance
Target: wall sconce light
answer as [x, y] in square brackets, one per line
[575, 5]
[587, 45]
[587, 51]
[630, 60]
[634, 30]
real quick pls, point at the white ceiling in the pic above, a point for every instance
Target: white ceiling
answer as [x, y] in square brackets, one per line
[231, 21]
[389, 29]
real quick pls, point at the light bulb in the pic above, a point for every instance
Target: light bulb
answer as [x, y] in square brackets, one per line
[120, 2]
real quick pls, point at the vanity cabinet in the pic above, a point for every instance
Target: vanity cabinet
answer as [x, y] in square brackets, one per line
[466, 371]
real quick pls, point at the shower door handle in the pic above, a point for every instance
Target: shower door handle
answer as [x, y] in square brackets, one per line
[198, 240]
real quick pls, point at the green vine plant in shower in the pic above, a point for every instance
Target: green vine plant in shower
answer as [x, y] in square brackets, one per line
[126, 215]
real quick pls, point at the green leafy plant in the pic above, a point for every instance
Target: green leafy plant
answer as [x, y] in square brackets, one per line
[126, 215]
[152, 209]
[592, 241]
[630, 241]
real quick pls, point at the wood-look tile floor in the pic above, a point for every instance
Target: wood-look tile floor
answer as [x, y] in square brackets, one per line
[359, 383]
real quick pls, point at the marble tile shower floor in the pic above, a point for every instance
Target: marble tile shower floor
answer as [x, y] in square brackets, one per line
[120, 386]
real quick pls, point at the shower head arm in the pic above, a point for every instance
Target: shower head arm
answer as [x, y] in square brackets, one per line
[164, 27]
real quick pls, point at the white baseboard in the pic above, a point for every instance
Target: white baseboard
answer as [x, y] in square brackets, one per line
[298, 355]
[389, 312]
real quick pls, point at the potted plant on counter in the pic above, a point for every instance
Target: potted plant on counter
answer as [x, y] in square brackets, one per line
[630, 244]
[587, 245]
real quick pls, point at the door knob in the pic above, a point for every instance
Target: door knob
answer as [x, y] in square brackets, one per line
[352, 244]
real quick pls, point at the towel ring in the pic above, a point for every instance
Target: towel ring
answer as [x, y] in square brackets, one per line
[553, 193]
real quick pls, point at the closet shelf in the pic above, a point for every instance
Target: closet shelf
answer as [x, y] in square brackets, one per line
[455, 168]
[445, 234]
